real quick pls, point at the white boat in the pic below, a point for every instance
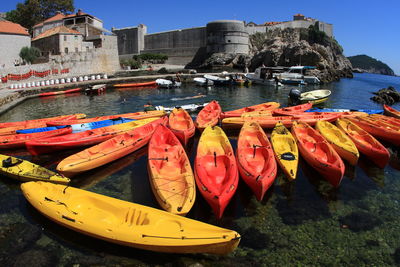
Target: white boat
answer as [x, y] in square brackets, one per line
[298, 75]
[189, 107]
[98, 89]
[203, 81]
[163, 83]
[264, 76]
[217, 80]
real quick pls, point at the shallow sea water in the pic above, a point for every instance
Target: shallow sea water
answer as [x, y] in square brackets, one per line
[304, 222]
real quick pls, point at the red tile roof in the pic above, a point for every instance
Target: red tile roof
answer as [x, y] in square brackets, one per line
[56, 30]
[12, 28]
[59, 17]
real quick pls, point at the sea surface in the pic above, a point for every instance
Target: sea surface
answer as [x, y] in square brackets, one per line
[305, 222]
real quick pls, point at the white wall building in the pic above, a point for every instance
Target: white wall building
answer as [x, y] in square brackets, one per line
[12, 38]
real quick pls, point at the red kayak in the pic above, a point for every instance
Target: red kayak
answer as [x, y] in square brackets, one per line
[318, 153]
[135, 115]
[86, 138]
[365, 142]
[70, 91]
[389, 111]
[379, 130]
[256, 160]
[292, 110]
[216, 169]
[268, 106]
[208, 116]
[181, 124]
[23, 124]
[18, 140]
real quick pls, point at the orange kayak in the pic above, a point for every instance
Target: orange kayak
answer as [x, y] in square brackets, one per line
[81, 139]
[110, 150]
[378, 129]
[18, 140]
[216, 169]
[181, 124]
[70, 91]
[135, 115]
[44, 120]
[365, 142]
[383, 119]
[318, 153]
[208, 116]
[268, 106]
[144, 84]
[292, 110]
[256, 160]
[170, 173]
[389, 111]
[270, 122]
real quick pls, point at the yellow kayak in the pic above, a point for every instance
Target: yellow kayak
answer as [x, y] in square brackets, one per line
[285, 149]
[24, 170]
[127, 223]
[339, 141]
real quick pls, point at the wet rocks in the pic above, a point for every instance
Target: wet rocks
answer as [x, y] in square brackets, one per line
[387, 96]
[360, 221]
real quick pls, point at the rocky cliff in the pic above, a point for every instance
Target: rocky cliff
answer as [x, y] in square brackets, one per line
[364, 63]
[290, 47]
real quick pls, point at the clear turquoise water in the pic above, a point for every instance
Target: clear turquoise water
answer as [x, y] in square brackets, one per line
[304, 222]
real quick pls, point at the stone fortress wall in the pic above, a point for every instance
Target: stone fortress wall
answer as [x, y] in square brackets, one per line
[221, 36]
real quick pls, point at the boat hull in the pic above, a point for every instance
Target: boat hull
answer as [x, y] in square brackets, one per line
[126, 223]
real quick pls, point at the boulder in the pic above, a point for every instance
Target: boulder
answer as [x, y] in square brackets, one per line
[387, 96]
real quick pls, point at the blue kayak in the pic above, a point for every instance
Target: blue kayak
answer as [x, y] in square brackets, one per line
[369, 111]
[76, 128]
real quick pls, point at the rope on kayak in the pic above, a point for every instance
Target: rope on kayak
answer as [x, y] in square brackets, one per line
[183, 237]
[255, 147]
[215, 159]
[166, 158]
[60, 203]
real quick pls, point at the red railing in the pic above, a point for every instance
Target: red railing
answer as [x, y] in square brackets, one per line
[31, 73]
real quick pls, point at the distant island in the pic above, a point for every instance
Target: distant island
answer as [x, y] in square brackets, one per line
[364, 63]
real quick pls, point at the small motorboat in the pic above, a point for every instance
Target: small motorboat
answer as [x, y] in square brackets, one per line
[203, 81]
[265, 76]
[218, 80]
[96, 89]
[164, 83]
[189, 107]
[315, 97]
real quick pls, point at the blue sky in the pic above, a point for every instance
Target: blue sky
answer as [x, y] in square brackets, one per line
[361, 27]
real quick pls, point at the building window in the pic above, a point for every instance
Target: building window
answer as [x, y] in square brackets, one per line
[66, 50]
[87, 48]
[76, 50]
[76, 37]
[65, 38]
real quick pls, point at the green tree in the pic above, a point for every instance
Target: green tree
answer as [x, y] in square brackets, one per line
[29, 54]
[31, 12]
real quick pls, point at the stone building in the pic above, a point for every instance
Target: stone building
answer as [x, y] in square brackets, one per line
[61, 40]
[299, 21]
[77, 41]
[12, 38]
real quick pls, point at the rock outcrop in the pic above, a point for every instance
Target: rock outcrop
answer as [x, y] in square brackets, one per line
[289, 47]
[386, 96]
